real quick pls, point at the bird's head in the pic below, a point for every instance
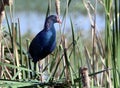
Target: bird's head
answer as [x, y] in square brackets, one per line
[53, 18]
[50, 20]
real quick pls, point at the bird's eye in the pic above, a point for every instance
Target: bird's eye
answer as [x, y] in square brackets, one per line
[54, 19]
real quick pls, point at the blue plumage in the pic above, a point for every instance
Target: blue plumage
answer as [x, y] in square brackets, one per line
[45, 41]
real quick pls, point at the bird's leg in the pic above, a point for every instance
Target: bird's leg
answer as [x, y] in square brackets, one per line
[40, 66]
[35, 63]
[30, 68]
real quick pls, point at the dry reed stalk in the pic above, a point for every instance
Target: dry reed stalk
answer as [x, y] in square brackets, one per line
[57, 4]
[2, 56]
[85, 77]
[88, 59]
[92, 16]
[3, 3]
[64, 44]
[2, 15]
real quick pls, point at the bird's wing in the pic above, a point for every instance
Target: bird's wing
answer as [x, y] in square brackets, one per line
[39, 43]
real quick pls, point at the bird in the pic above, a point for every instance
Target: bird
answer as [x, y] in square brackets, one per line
[44, 42]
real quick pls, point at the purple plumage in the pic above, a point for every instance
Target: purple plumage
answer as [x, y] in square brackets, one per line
[45, 41]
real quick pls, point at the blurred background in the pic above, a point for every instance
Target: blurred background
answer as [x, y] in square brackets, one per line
[32, 15]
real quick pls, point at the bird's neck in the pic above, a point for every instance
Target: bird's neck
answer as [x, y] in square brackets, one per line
[49, 25]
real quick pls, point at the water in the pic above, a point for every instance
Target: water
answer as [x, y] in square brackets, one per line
[35, 22]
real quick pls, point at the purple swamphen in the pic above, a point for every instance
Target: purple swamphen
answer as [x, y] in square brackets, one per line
[45, 41]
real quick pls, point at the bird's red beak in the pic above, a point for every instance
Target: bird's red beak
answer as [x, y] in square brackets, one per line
[58, 20]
